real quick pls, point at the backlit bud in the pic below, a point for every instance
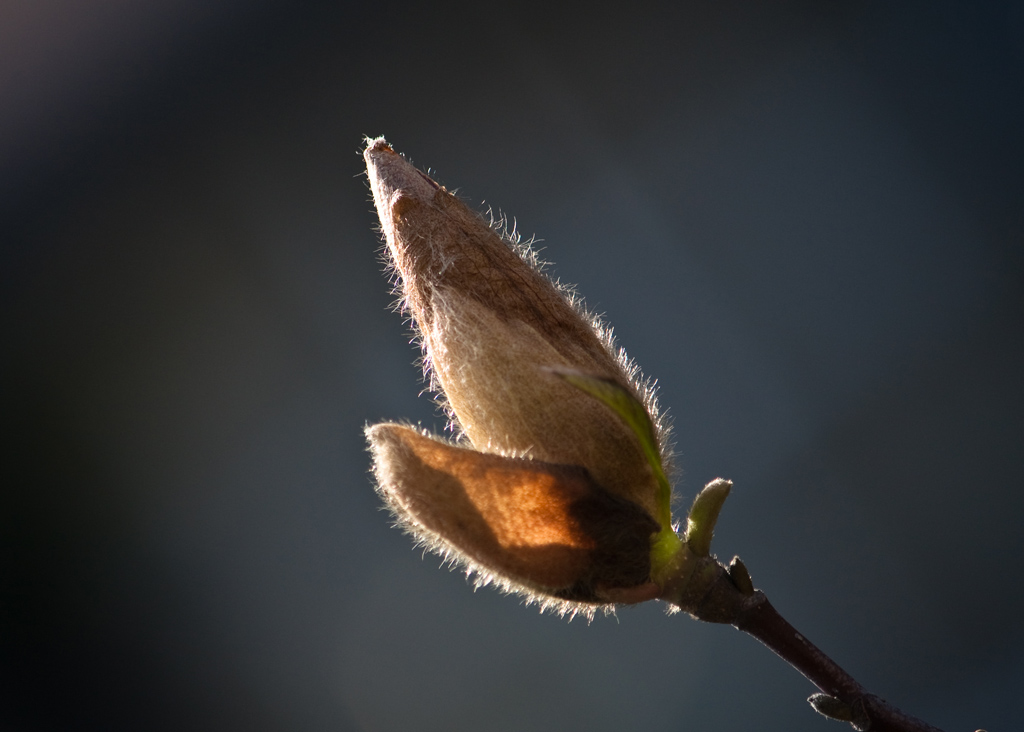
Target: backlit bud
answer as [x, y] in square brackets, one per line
[551, 491]
[550, 528]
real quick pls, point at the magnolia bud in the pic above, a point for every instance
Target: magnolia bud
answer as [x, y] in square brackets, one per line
[557, 487]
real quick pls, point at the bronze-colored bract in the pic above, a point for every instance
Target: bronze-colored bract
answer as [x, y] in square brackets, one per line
[548, 526]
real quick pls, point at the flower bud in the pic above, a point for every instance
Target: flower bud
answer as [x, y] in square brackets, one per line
[496, 334]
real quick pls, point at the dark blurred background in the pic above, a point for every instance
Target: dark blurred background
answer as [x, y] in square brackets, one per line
[804, 220]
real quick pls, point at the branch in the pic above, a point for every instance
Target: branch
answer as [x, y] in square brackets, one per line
[725, 595]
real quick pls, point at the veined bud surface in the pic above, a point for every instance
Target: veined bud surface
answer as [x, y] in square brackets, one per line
[549, 492]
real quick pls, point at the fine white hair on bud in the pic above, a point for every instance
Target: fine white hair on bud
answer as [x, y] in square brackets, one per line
[524, 524]
[549, 492]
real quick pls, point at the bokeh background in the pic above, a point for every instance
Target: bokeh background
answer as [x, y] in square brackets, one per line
[805, 219]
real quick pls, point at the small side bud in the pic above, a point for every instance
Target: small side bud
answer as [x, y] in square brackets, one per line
[829, 706]
[700, 526]
[740, 576]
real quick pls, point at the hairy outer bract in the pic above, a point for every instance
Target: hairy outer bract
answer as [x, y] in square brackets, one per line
[548, 491]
